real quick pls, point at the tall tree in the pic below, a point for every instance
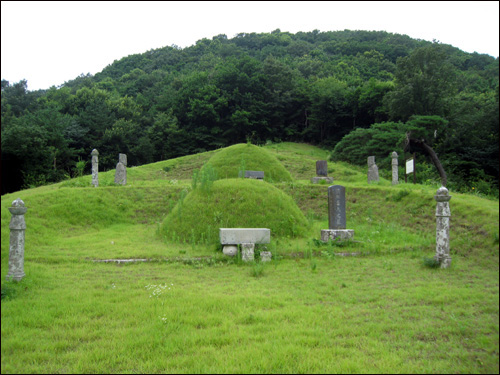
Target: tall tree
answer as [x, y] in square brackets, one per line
[424, 83]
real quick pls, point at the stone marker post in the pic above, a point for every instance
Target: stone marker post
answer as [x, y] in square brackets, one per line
[372, 170]
[443, 214]
[95, 167]
[395, 179]
[17, 231]
[121, 170]
[336, 215]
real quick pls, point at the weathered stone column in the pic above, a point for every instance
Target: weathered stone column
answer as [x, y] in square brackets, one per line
[17, 231]
[443, 227]
[95, 167]
[395, 179]
[372, 170]
[121, 170]
[336, 215]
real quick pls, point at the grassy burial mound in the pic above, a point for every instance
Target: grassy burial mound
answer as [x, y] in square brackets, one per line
[233, 203]
[240, 157]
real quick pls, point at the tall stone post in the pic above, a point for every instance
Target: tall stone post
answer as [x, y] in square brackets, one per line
[17, 231]
[372, 170]
[443, 214]
[394, 156]
[95, 167]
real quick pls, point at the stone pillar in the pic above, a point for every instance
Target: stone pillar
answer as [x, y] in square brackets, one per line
[247, 252]
[336, 215]
[95, 167]
[17, 231]
[372, 170]
[121, 170]
[395, 178]
[322, 173]
[443, 214]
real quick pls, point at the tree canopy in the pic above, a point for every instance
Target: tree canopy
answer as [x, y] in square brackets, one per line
[315, 87]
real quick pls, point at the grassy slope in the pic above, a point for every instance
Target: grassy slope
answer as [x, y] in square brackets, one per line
[312, 313]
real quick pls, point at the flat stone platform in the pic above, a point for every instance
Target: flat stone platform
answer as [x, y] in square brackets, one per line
[235, 236]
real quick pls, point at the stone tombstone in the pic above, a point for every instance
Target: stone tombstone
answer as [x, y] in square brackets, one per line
[336, 207]
[121, 170]
[443, 214]
[395, 178]
[321, 173]
[372, 170]
[95, 167]
[336, 216]
[322, 168]
[17, 235]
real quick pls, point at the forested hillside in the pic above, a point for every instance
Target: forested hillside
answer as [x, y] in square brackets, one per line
[314, 87]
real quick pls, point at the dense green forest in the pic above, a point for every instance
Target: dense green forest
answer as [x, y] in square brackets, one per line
[356, 93]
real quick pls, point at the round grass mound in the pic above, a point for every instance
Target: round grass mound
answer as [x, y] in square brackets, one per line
[229, 161]
[233, 203]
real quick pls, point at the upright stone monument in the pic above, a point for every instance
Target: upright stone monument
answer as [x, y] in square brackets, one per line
[372, 170]
[395, 178]
[443, 214]
[95, 167]
[336, 216]
[17, 233]
[121, 170]
[322, 172]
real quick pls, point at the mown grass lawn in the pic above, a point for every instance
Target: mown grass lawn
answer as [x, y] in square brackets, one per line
[190, 309]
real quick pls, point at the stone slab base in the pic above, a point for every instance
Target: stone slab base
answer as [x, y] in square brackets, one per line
[332, 234]
[315, 180]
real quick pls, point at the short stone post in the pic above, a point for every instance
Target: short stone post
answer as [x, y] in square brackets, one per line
[443, 214]
[17, 231]
[247, 252]
[336, 215]
[265, 256]
[121, 170]
[395, 179]
[372, 170]
[95, 167]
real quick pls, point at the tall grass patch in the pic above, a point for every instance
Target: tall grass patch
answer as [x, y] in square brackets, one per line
[238, 203]
[230, 161]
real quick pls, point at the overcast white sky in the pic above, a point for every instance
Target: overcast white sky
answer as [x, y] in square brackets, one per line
[48, 43]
